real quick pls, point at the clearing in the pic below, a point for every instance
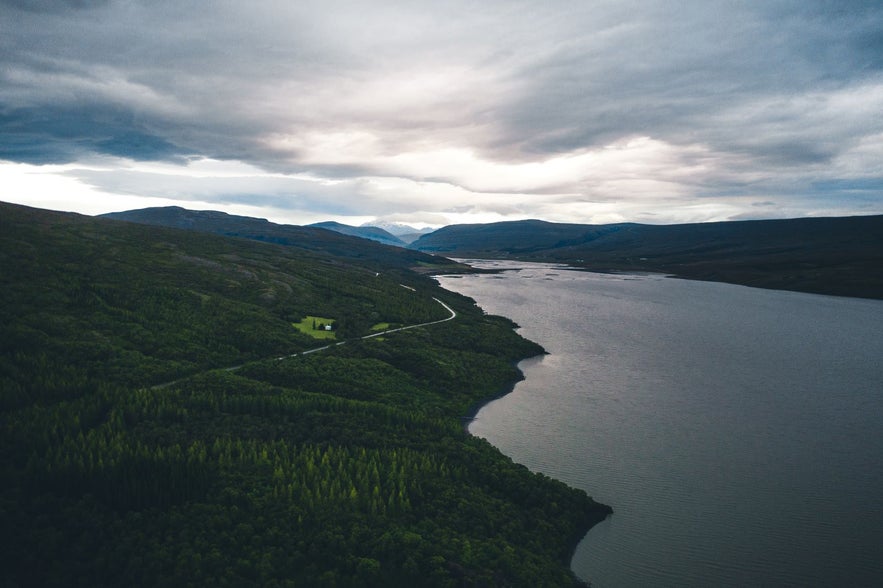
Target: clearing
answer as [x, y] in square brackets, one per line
[314, 326]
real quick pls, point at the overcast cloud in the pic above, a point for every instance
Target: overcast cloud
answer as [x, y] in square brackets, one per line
[443, 112]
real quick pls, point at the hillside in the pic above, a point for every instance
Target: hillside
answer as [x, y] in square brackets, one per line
[370, 254]
[365, 232]
[151, 436]
[839, 256]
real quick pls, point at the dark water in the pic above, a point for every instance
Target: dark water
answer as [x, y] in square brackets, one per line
[737, 432]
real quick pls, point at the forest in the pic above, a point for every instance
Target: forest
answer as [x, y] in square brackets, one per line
[151, 435]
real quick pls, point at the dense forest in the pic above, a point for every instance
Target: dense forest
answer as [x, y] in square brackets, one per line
[160, 427]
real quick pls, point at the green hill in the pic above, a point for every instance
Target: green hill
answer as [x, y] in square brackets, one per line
[150, 436]
[839, 256]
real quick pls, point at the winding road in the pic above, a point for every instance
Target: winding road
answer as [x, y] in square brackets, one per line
[324, 347]
[448, 308]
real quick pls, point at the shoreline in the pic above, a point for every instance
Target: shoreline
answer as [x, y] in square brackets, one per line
[599, 511]
[795, 279]
[602, 511]
[506, 389]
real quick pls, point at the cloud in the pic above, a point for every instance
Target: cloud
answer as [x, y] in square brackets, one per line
[562, 110]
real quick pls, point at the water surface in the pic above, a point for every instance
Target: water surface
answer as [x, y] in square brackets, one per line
[736, 432]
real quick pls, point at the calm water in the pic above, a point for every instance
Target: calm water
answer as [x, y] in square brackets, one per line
[737, 432]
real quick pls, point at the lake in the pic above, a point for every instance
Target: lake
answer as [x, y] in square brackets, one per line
[736, 432]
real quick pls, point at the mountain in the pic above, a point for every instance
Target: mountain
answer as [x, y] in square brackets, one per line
[160, 422]
[409, 238]
[365, 232]
[839, 256]
[505, 239]
[372, 254]
[404, 232]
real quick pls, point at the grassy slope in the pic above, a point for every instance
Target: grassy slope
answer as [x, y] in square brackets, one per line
[348, 467]
[310, 325]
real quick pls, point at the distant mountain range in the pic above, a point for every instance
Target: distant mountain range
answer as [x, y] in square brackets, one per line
[406, 233]
[365, 232]
[383, 232]
[839, 256]
[310, 238]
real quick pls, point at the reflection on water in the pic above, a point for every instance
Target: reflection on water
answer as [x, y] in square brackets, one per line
[735, 431]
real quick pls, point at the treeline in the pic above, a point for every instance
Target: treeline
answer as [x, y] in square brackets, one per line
[348, 467]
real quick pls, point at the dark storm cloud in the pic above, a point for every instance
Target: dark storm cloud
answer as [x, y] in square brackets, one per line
[698, 73]
[52, 5]
[35, 135]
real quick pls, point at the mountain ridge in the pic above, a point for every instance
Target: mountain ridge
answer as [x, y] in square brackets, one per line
[373, 254]
[366, 232]
[406, 233]
[826, 255]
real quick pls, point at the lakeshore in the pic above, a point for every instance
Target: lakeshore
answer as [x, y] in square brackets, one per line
[717, 435]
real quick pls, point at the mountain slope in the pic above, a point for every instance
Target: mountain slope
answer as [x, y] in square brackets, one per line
[840, 256]
[365, 232]
[176, 301]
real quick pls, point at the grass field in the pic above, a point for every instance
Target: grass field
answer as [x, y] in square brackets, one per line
[306, 326]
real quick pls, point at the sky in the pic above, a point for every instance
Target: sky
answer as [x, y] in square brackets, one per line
[443, 112]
